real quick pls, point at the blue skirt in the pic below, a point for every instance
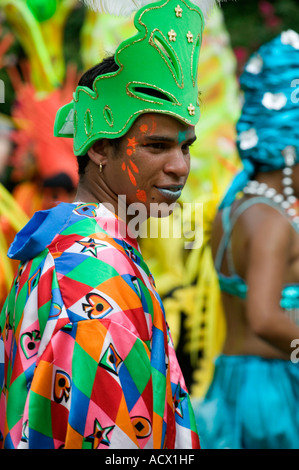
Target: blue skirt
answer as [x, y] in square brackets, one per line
[252, 403]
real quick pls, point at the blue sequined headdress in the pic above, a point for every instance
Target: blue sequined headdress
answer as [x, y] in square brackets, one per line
[270, 114]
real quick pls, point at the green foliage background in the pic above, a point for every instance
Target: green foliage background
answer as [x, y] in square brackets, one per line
[251, 23]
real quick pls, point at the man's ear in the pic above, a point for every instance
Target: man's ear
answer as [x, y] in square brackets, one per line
[98, 153]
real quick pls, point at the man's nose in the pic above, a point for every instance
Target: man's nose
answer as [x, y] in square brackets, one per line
[177, 163]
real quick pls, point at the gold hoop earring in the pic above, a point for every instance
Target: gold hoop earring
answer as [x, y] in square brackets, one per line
[100, 167]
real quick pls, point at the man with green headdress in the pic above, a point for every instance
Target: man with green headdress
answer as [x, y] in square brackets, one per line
[87, 360]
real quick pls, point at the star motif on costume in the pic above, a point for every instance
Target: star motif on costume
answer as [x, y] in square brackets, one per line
[178, 398]
[191, 109]
[172, 35]
[91, 246]
[190, 37]
[99, 435]
[178, 11]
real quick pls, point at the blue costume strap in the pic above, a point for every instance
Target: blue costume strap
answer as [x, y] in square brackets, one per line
[228, 225]
[225, 237]
[232, 284]
[238, 183]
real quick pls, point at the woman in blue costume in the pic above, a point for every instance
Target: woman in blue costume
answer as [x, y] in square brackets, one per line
[253, 399]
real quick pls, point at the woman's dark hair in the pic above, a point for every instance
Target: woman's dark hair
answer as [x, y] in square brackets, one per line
[108, 65]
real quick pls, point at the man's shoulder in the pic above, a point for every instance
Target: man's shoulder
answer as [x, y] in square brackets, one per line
[39, 232]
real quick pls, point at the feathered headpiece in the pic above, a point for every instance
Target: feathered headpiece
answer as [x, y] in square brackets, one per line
[127, 7]
[157, 73]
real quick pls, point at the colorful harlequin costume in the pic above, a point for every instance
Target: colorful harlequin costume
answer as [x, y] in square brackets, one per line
[85, 344]
[252, 400]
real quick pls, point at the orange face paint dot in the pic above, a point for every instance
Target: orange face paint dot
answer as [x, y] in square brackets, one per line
[141, 195]
[123, 166]
[143, 128]
[129, 152]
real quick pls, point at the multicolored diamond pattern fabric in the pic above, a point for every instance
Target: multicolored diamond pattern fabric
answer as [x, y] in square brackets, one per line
[86, 358]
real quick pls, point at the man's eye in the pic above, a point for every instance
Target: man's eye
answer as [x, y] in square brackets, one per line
[156, 145]
[159, 145]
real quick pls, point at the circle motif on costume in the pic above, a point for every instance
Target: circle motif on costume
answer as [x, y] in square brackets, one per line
[62, 386]
[142, 427]
[96, 307]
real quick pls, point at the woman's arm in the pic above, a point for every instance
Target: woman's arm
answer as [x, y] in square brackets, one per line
[267, 264]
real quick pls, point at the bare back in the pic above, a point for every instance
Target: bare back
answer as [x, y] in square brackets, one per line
[265, 253]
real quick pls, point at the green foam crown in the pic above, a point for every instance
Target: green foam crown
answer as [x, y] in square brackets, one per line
[157, 73]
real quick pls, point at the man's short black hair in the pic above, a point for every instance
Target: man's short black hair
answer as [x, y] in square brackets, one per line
[108, 65]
